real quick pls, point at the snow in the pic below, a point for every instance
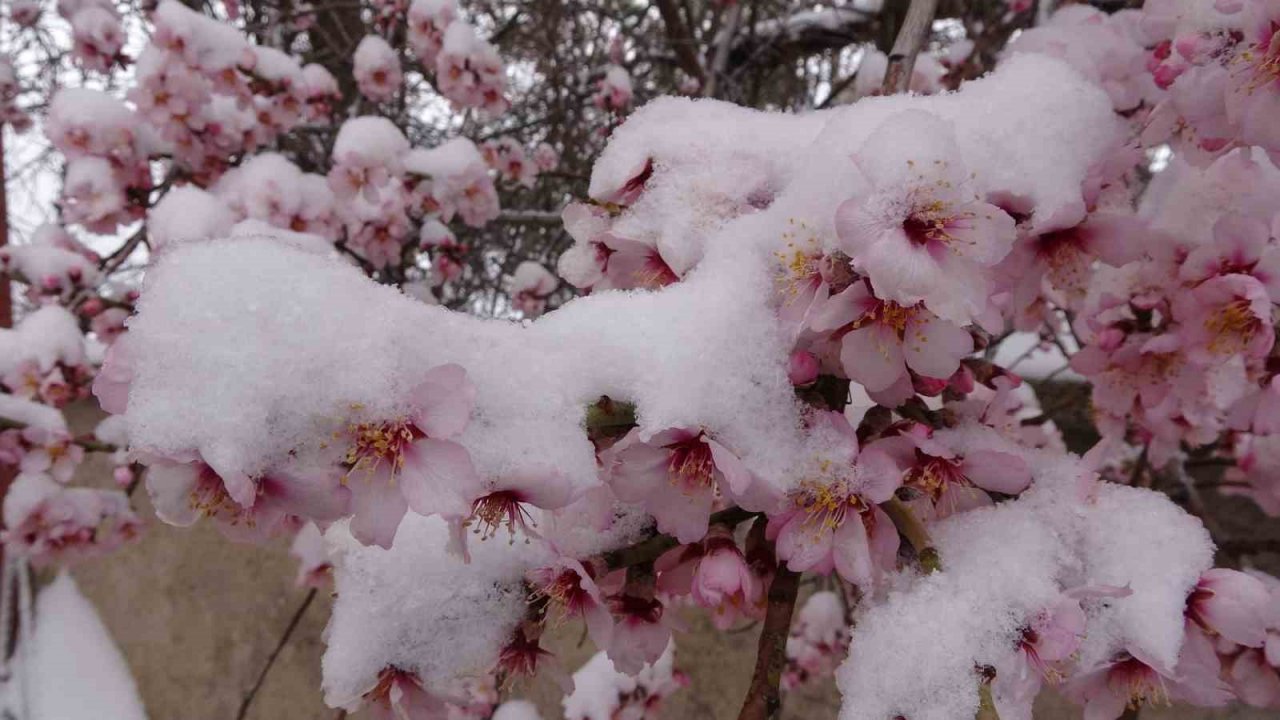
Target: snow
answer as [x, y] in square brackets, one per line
[913, 651]
[32, 414]
[516, 710]
[48, 336]
[458, 156]
[598, 687]
[374, 139]
[76, 672]
[420, 609]
[187, 213]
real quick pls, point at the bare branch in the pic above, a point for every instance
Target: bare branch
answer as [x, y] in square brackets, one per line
[681, 39]
[902, 59]
[764, 700]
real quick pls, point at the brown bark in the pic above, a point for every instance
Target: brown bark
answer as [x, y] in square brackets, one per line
[914, 32]
[764, 698]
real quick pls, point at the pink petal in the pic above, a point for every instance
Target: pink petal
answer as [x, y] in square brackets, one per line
[736, 474]
[840, 309]
[933, 347]
[997, 471]
[684, 515]
[872, 355]
[884, 540]
[443, 401]
[878, 474]
[804, 546]
[852, 552]
[377, 509]
[641, 470]
[170, 487]
[549, 491]
[438, 478]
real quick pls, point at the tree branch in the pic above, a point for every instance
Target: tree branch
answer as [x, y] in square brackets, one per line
[681, 39]
[653, 548]
[284, 640]
[764, 700]
[902, 59]
[915, 532]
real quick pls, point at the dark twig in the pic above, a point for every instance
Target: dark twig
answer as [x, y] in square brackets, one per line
[764, 700]
[902, 59]
[652, 548]
[271, 659]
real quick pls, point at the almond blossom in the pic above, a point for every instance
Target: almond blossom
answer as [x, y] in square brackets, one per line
[920, 235]
[834, 521]
[688, 459]
[411, 461]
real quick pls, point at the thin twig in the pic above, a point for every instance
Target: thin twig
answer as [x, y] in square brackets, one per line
[284, 640]
[764, 700]
[902, 59]
[652, 548]
[915, 532]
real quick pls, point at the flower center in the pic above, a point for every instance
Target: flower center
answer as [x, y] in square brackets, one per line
[374, 444]
[933, 474]
[691, 465]
[826, 504]
[928, 223]
[1232, 326]
[1139, 682]
[502, 508]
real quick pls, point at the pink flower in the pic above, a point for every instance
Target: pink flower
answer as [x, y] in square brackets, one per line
[1064, 257]
[640, 633]
[572, 591]
[505, 502]
[1240, 245]
[531, 285]
[244, 509]
[1255, 678]
[1124, 682]
[717, 576]
[524, 656]
[1253, 102]
[918, 234]
[1257, 458]
[802, 368]
[954, 479]
[676, 474]
[614, 91]
[49, 523]
[1226, 315]
[834, 520]
[399, 695]
[427, 22]
[884, 339]
[1048, 640]
[602, 260]
[1230, 604]
[50, 452]
[411, 462]
[376, 69]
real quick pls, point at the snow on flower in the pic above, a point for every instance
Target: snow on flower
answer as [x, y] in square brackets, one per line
[411, 461]
[922, 236]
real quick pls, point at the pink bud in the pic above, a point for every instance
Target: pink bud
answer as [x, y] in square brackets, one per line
[123, 475]
[927, 386]
[803, 368]
[1231, 604]
[91, 307]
